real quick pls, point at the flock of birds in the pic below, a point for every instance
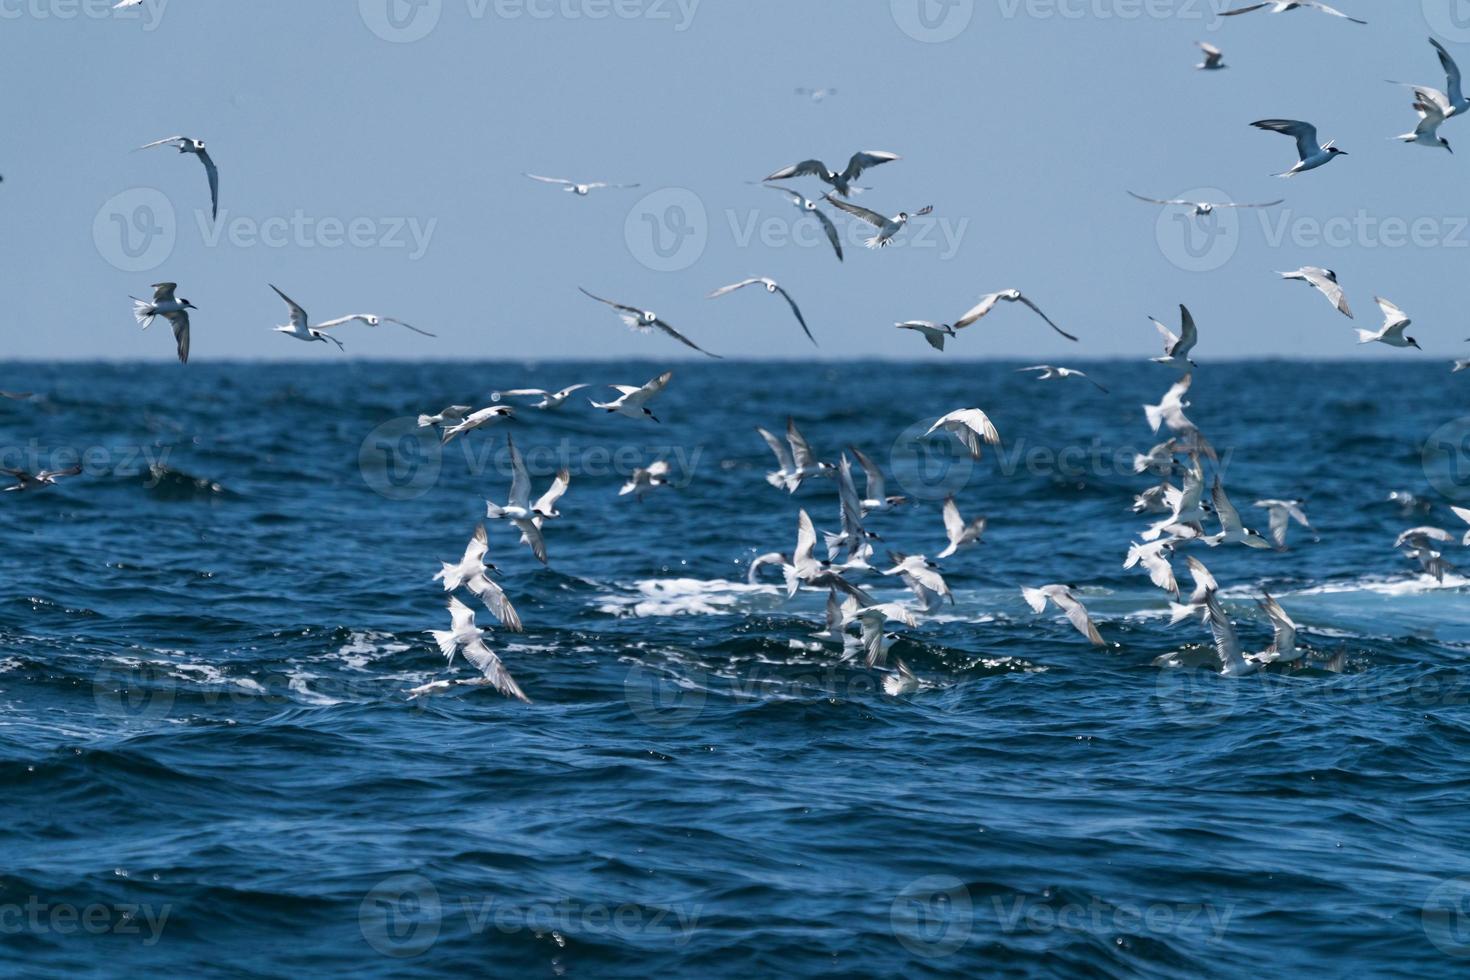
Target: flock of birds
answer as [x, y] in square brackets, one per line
[1185, 502]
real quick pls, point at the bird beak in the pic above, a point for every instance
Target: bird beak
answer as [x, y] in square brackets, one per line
[1448, 147]
[190, 305]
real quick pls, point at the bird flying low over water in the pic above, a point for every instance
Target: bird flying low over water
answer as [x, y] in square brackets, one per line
[1063, 598]
[1205, 208]
[371, 319]
[840, 182]
[887, 227]
[172, 309]
[550, 400]
[1325, 282]
[633, 402]
[809, 206]
[970, 426]
[185, 144]
[1282, 6]
[581, 190]
[1049, 372]
[1392, 332]
[464, 636]
[1312, 155]
[300, 325]
[1214, 57]
[933, 333]
[771, 286]
[475, 420]
[988, 301]
[34, 481]
[961, 533]
[1282, 513]
[472, 572]
[646, 479]
[644, 321]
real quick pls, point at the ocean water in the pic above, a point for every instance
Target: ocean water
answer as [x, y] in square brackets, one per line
[209, 764]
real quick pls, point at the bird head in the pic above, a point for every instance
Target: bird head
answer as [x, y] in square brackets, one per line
[1446, 144]
[1336, 152]
[1413, 343]
[903, 216]
[188, 305]
[649, 413]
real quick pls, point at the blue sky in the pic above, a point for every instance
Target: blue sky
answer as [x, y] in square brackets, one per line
[373, 164]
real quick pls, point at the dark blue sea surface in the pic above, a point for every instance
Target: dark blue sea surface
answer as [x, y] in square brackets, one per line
[209, 764]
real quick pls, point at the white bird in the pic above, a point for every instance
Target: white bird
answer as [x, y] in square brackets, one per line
[633, 402]
[781, 561]
[1170, 411]
[809, 206]
[876, 496]
[1063, 598]
[961, 533]
[1203, 209]
[1283, 648]
[1178, 348]
[1187, 509]
[841, 182]
[902, 681]
[1232, 529]
[1214, 57]
[1281, 6]
[1283, 512]
[804, 463]
[372, 320]
[175, 311]
[786, 467]
[1155, 500]
[1159, 460]
[185, 144]
[450, 414]
[834, 628]
[1452, 103]
[1204, 587]
[887, 227]
[518, 509]
[300, 326]
[771, 286]
[1049, 372]
[1431, 117]
[1392, 331]
[876, 642]
[1463, 514]
[1311, 154]
[922, 577]
[933, 333]
[854, 538]
[471, 572]
[816, 573]
[1153, 557]
[550, 400]
[646, 479]
[1461, 364]
[970, 426]
[35, 481]
[988, 301]
[581, 190]
[644, 321]
[475, 420]
[1227, 642]
[1325, 282]
[1425, 538]
[464, 636]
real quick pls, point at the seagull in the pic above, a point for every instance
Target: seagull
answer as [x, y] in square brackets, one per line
[802, 203]
[1227, 642]
[1069, 604]
[1281, 6]
[646, 479]
[842, 182]
[1392, 331]
[805, 465]
[1312, 155]
[1431, 116]
[932, 332]
[644, 321]
[185, 144]
[1177, 349]
[1214, 57]
[471, 572]
[1050, 373]
[970, 426]
[1204, 587]
[450, 414]
[961, 534]
[1205, 208]
[1283, 512]
[987, 303]
[163, 303]
[465, 636]
[633, 402]
[887, 227]
[581, 190]
[771, 287]
[372, 320]
[1232, 529]
[877, 497]
[300, 326]
[475, 420]
[550, 400]
[902, 681]
[1452, 104]
[1283, 648]
[34, 481]
[518, 508]
[922, 577]
[1325, 282]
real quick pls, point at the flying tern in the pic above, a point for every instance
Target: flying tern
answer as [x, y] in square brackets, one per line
[1325, 282]
[633, 402]
[933, 333]
[1178, 348]
[550, 400]
[1311, 153]
[172, 309]
[1431, 116]
[1282, 513]
[887, 227]
[450, 414]
[34, 481]
[185, 144]
[646, 479]
[1453, 101]
[970, 426]
[1202, 209]
[464, 636]
[518, 509]
[1232, 529]
[1281, 6]
[372, 320]
[922, 577]
[1049, 372]
[581, 190]
[1063, 598]
[1392, 331]
[300, 326]
[988, 301]
[840, 182]
[475, 420]
[1214, 57]
[771, 286]
[876, 496]
[809, 206]
[472, 572]
[644, 321]
[961, 533]
[1227, 642]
